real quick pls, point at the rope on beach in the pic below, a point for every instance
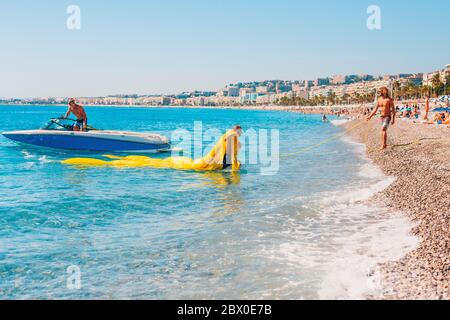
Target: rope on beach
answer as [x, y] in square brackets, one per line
[335, 137]
[416, 141]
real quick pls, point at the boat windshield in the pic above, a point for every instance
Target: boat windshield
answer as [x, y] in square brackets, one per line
[62, 125]
[59, 124]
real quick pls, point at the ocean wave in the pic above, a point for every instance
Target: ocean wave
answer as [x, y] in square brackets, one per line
[340, 122]
[346, 238]
[27, 155]
[45, 159]
[371, 171]
[357, 194]
[352, 273]
[341, 244]
[381, 236]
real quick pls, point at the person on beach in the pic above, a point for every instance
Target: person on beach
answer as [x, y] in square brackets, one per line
[232, 134]
[386, 104]
[446, 118]
[78, 111]
[427, 108]
[415, 113]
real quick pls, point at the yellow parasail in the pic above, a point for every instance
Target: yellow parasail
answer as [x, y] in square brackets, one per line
[225, 151]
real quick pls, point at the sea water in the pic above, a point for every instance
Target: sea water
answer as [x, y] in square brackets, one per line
[306, 232]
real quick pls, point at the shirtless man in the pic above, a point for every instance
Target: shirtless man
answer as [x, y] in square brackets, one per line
[427, 108]
[79, 112]
[236, 132]
[386, 103]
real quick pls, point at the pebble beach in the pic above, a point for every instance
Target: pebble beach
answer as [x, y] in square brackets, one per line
[419, 159]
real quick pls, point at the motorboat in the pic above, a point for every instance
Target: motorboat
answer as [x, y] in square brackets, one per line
[58, 133]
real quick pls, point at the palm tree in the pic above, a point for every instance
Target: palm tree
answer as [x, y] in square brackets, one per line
[411, 90]
[447, 83]
[396, 89]
[332, 98]
[426, 90]
[436, 82]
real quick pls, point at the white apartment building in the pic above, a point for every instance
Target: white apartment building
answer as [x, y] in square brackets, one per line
[428, 77]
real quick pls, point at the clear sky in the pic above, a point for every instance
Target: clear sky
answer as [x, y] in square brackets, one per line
[150, 47]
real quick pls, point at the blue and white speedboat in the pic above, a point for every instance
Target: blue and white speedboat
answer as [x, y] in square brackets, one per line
[58, 134]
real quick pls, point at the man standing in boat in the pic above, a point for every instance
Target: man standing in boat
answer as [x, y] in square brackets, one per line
[386, 104]
[78, 111]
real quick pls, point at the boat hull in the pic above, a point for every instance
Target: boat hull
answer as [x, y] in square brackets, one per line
[91, 141]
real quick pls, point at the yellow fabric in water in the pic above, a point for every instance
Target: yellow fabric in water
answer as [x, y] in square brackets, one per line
[227, 146]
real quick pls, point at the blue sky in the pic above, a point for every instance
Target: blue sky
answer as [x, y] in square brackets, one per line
[150, 47]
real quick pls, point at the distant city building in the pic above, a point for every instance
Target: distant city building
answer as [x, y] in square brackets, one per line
[416, 79]
[339, 79]
[260, 92]
[249, 98]
[321, 82]
[404, 75]
[165, 101]
[353, 78]
[358, 88]
[309, 83]
[222, 93]
[183, 95]
[277, 88]
[428, 77]
[282, 86]
[366, 77]
[322, 91]
[244, 91]
[300, 91]
[388, 77]
[303, 93]
[446, 72]
[297, 87]
[233, 91]
[262, 89]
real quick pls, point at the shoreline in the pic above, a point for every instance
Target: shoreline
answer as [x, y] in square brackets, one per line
[420, 192]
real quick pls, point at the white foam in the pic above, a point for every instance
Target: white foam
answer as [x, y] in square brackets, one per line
[353, 272]
[369, 170]
[358, 147]
[27, 155]
[340, 122]
[382, 237]
[356, 194]
[338, 251]
[44, 159]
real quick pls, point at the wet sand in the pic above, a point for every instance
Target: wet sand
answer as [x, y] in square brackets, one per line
[419, 159]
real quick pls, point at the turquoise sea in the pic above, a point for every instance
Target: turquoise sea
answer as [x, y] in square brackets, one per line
[304, 233]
